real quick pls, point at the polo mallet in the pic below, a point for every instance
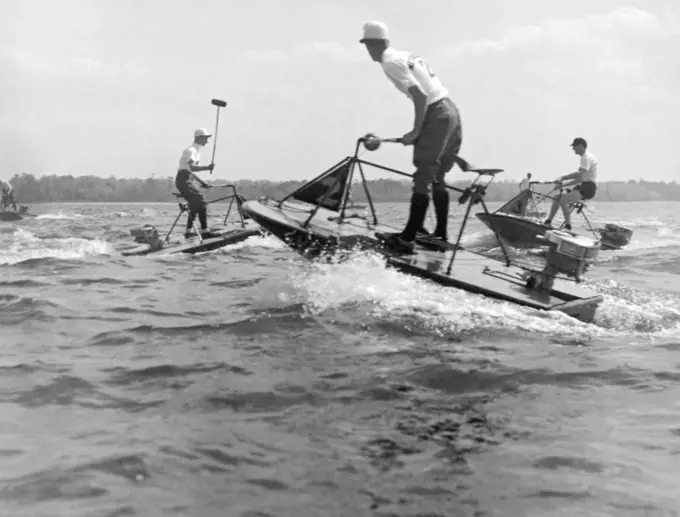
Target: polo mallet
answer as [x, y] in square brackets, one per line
[220, 104]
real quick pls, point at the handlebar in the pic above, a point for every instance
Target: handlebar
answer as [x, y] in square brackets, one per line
[375, 138]
[372, 142]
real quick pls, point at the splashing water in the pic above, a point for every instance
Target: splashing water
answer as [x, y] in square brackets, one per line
[25, 246]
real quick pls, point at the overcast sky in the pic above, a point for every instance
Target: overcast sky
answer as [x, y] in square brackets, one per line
[116, 87]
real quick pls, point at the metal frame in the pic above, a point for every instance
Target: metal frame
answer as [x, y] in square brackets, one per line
[184, 207]
[577, 206]
[472, 195]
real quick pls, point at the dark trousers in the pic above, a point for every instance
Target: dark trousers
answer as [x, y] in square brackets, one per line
[437, 147]
[434, 154]
[7, 200]
[195, 200]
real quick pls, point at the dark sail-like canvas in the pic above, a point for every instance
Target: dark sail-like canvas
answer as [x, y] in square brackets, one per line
[518, 204]
[326, 190]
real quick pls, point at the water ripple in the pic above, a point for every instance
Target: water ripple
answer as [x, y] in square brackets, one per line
[253, 380]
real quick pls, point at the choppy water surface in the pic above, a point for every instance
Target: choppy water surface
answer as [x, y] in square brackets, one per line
[250, 382]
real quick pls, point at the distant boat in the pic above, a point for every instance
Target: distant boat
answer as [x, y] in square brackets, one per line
[520, 221]
[149, 240]
[11, 215]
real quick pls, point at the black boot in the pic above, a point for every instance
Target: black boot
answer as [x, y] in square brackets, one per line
[416, 218]
[203, 219]
[441, 209]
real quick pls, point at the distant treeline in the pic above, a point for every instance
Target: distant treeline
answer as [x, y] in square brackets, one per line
[54, 189]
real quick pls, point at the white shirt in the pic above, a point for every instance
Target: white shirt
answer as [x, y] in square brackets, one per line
[524, 185]
[588, 167]
[190, 156]
[5, 186]
[406, 70]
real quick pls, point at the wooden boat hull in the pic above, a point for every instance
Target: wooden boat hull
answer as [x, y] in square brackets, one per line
[11, 215]
[521, 232]
[515, 230]
[471, 272]
[218, 239]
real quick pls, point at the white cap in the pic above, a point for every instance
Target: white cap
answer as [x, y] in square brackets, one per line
[202, 132]
[374, 30]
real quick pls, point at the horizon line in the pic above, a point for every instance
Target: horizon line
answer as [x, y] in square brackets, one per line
[225, 181]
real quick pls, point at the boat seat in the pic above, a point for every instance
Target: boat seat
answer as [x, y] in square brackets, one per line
[183, 207]
[577, 206]
[468, 167]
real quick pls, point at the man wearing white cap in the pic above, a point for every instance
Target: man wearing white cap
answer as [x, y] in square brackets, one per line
[188, 165]
[436, 134]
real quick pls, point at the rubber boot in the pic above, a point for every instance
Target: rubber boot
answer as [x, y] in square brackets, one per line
[416, 218]
[203, 219]
[441, 209]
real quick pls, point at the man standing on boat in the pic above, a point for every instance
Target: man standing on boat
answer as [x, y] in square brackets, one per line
[584, 179]
[525, 183]
[436, 134]
[7, 195]
[188, 165]
[525, 191]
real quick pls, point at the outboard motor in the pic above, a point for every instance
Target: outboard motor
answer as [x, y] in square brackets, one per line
[567, 254]
[147, 234]
[614, 236]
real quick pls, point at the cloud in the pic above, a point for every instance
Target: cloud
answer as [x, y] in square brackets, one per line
[615, 53]
[597, 31]
[67, 66]
[308, 51]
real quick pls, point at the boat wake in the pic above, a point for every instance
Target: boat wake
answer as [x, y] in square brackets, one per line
[58, 216]
[25, 246]
[363, 286]
[256, 241]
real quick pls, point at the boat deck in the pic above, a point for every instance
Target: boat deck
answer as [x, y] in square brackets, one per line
[223, 237]
[470, 271]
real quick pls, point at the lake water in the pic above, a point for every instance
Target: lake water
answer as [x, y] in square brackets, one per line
[250, 382]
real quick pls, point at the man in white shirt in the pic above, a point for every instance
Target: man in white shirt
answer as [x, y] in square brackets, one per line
[188, 165]
[584, 179]
[525, 183]
[7, 195]
[436, 134]
[523, 200]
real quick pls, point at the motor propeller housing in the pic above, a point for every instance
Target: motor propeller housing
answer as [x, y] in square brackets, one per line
[568, 254]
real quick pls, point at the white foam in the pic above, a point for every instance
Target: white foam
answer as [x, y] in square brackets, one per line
[628, 311]
[365, 281]
[58, 216]
[26, 246]
[259, 241]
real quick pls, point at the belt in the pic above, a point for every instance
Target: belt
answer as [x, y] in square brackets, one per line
[447, 98]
